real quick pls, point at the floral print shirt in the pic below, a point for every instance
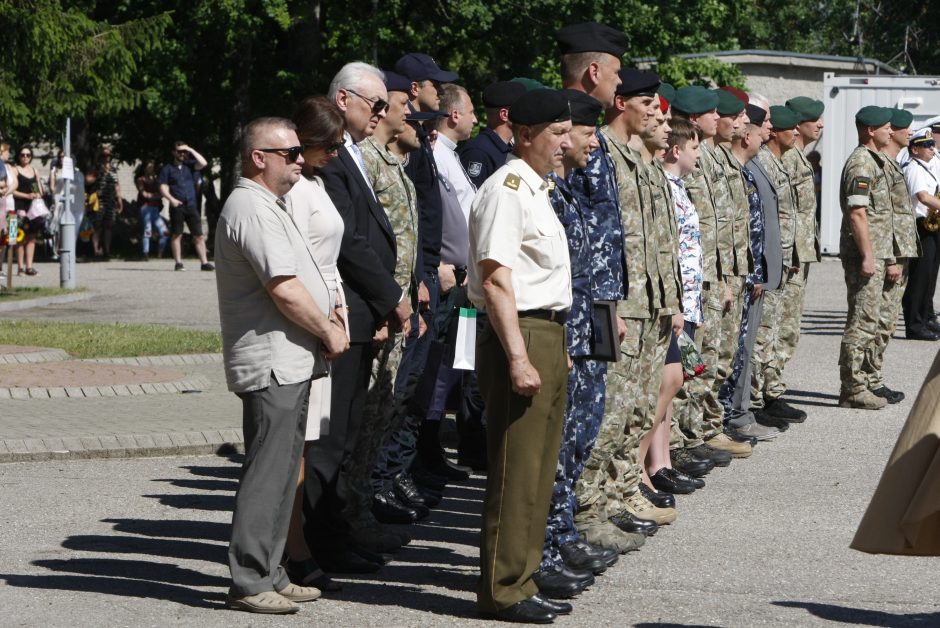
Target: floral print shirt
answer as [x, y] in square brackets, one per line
[690, 251]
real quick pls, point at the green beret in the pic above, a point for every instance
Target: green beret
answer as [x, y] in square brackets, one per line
[694, 100]
[728, 103]
[540, 106]
[783, 117]
[873, 116]
[527, 82]
[901, 118]
[806, 108]
[667, 91]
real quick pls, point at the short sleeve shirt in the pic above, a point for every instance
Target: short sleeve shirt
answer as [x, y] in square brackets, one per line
[919, 178]
[512, 223]
[181, 180]
[257, 241]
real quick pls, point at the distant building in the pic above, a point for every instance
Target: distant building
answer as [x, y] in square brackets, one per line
[782, 75]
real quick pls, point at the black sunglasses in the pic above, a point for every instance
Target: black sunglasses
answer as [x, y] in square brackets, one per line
[26, 155]
[378, 105]
[291, 153]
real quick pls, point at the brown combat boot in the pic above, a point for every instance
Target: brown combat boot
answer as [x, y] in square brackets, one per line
[862, 400]
[733, 447]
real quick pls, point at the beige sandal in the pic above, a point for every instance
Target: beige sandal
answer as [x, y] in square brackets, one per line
[266, 602]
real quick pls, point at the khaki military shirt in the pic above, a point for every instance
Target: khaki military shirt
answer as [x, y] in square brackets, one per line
[737, 225]
[640, 251]
[864, 183]
[512, 223]
[904, 225]
[700, 185]
[395, 191]
[786, 203]
[801, 174]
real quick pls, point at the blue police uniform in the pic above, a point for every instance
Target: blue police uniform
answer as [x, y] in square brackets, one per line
[483, 155]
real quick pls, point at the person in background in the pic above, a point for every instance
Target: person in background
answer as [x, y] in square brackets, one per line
[28, 188]
[110, 204]
[179, 186]
[151, 203]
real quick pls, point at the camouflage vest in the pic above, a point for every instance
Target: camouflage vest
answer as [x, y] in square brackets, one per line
[699, 185]
[667, 234]
[396, 193]
[804, 189]
[786, 203]
[738, 224]
[864, 183]
[906, 243]
[640, 253]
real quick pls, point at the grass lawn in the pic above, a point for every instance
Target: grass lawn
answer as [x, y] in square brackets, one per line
[20, 293]
[102, 340]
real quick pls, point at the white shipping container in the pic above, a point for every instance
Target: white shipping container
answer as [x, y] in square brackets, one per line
[845, 95]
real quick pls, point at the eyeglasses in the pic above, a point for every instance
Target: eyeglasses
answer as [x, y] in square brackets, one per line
[378, 105]
[291, 153]
[26, 155]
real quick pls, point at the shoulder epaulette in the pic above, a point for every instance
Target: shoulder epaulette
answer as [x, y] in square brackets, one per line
[512, 181]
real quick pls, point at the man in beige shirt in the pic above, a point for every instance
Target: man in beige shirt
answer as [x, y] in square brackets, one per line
[520, 274]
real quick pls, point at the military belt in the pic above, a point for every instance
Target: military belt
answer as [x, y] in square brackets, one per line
[555, 316]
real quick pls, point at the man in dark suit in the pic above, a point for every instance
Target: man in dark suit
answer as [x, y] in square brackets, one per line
[367, 264]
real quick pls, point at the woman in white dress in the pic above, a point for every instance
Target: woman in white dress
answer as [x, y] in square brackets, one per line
[320, 129]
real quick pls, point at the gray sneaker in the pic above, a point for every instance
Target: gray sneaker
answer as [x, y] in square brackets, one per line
[758, 431]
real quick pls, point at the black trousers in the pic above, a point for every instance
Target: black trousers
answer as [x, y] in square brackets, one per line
[922, 281]
[326, 481]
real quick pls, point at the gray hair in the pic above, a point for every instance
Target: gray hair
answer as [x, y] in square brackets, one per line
[451, 100]
[351, 75]
[255, 128]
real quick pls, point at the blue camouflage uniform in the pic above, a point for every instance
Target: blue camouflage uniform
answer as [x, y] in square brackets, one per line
[757, 276]
[483, 155]
[597, 274]
[584, 394]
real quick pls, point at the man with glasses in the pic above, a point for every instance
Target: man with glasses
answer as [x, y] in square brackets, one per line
[367, 261]
[178, 187]
[278, 330]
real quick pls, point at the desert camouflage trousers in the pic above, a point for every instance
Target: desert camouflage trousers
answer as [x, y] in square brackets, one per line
[612, 471]
[860, 352]
[888, 312]
[696, 408]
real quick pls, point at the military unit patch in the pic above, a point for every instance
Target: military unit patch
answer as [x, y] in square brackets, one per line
[512, 181]
[860, 186]
[474, 168]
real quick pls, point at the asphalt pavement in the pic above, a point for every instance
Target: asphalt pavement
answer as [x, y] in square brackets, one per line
[142, 541]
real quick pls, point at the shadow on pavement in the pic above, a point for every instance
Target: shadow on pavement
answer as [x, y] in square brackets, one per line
[138, 557]
[864, 617]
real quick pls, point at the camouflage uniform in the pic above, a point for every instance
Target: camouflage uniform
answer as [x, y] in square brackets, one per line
[734, 276]
[631, 379]
[905, 245]
[595, 188]
[770, 353]
[396, 193]
[864, 183]
[604, 465]
[691, 403]
[587, 379]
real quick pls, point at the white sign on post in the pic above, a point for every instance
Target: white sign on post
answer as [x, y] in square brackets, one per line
[68, 169]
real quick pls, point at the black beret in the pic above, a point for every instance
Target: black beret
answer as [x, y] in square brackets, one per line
[591, 37]
[540, 106]
[694, 100]
[901, 118]
[502, 94]
[634, 82]
[584, 109]
[395, 82]
[782, 117]
[806, 108]
[756, 115]
[728, 103]
[873, 116]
